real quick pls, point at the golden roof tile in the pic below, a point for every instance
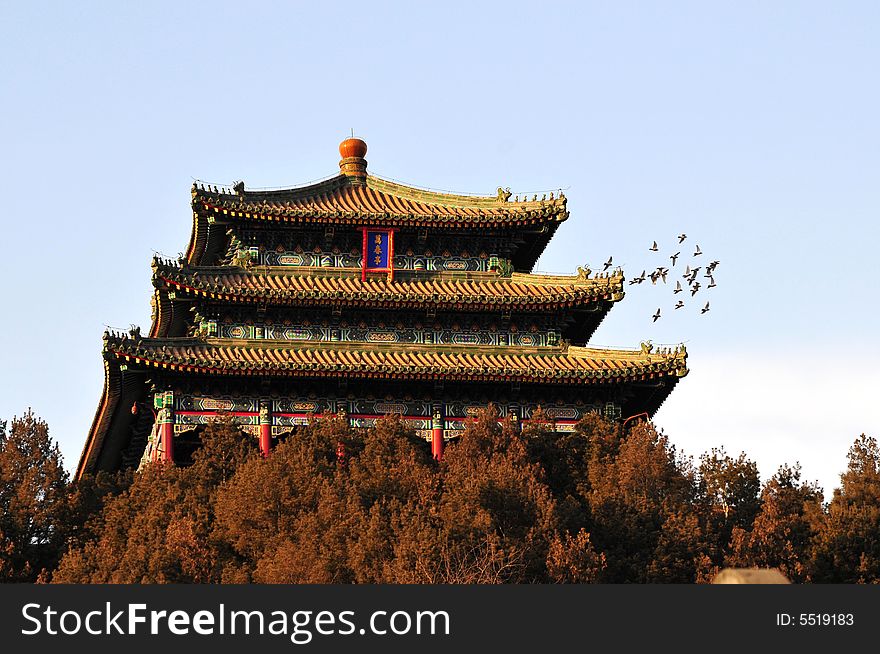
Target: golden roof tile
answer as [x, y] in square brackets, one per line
[564, 364]
[378, 201]
[343, 286]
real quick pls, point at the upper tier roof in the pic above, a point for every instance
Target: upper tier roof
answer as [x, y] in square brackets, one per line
[375, 201]
[446, 290]
[358, 199]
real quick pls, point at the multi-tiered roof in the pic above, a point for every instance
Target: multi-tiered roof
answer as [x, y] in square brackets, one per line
[270, 295]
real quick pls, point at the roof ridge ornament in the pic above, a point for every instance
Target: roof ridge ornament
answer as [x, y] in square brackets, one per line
[353, 165]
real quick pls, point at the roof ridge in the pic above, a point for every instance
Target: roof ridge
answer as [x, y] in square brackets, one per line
[448, 198]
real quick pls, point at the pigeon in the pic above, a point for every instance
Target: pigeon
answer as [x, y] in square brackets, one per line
[697, 253]
[654, 277]
[679, 304]
[714, 265]
[695, 288]
[656, 315]
[687, 271]
[678, 288]
[653, 248]
[663, 272]
[607, 264]
[704, 309]
[674, 257]
[712, 283]
[681, 237]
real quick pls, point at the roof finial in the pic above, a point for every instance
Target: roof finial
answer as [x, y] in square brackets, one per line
[353, 165]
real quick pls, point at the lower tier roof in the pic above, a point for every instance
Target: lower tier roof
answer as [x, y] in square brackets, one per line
[563, 365]
[642, 379]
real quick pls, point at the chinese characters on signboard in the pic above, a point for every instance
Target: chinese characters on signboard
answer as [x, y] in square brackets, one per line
[378, 253]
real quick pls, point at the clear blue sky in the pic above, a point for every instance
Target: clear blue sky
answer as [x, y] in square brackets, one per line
[752, 126]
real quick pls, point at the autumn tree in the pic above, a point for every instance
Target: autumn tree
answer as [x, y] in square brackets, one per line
[641, 494]
[848, 544]
[574, 559]
[727, 497]
[494, 492]
[782, 532]
[269, 511]
[34, 506]
[159, 530]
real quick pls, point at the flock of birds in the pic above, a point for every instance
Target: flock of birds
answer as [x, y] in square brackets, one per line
[690, 276]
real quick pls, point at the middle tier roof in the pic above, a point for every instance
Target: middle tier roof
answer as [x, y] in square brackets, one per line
[454, 291]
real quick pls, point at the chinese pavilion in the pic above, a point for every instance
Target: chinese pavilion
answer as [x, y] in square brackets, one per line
[362, 296]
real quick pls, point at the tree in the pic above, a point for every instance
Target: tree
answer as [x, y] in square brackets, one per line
[727, 498]
[637, 484]
[782, 532]
[159, 530]
[493, 491]
[34, 506]
[574, 560]
[848, 544]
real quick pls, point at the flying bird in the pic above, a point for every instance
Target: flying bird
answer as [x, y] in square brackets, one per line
[674, 257]
[697, 253]
[607, 264]
[655, 275]
[656, 315]
[687, 271]
[663, 272]
[704, 309]
[712, 283]
[678, 288]
[653, 248]
[679, 304]
[681, 237]
[695, 288]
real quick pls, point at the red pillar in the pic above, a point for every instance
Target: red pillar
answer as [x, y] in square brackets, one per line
[265, 432]
[437, 437]
[166, 434]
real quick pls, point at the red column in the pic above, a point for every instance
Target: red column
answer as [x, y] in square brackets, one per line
[265, 432]
[166, 434]
[437, 437]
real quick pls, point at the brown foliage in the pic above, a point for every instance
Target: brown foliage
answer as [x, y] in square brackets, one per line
[505, 505]
[160, 529]
[783, 530]
[847, 548]
[35, 509]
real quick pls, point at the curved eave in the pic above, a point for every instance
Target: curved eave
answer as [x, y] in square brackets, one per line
[101, 422]
[378, 203]
[220, 357]
[468, 294]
